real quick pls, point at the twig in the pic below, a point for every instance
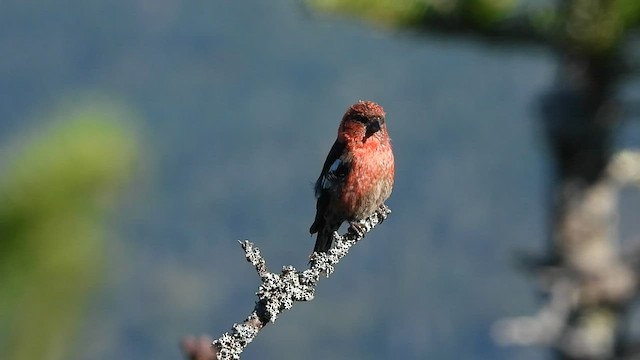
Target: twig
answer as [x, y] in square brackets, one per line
[544, 328]
[278, 292]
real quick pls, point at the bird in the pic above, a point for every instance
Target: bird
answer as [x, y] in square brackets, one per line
[357, 175]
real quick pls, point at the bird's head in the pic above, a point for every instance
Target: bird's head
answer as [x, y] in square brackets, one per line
[363, 120]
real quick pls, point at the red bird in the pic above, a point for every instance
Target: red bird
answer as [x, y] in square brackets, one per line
[357, 176]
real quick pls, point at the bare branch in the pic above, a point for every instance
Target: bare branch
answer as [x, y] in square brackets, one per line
[592, 284]
[625, 168]
[546, 326]
[278, 292]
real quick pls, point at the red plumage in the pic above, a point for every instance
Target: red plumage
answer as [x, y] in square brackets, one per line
[357, 176]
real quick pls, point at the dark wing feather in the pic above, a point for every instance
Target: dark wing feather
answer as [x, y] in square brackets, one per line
[336, 153]
[334, 169]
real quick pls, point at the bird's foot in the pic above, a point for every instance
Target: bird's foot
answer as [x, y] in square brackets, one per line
[383, 212]
[359, 227]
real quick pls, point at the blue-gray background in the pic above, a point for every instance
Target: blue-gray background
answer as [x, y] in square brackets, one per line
[238, 104]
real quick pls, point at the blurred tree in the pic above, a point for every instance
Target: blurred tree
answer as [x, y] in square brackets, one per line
[589, 285]
[55, 188]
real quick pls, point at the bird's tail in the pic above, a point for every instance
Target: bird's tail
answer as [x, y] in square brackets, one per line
[324, 239]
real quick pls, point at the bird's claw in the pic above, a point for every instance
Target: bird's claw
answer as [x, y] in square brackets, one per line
[383, 212]
[359, 227]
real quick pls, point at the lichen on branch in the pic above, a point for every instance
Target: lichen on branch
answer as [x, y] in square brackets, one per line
[279, 291]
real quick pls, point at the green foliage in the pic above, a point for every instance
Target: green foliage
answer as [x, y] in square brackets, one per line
[629, 11]
[54, 191]
[487, 12]
[592, 26]
[387, 12]
[411, 12]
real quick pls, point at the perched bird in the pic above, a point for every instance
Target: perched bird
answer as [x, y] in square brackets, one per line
[357, 176]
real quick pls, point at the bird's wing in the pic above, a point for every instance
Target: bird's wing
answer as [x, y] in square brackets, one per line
[335, 168]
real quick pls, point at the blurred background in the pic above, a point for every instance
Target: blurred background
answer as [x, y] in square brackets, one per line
[141, 139]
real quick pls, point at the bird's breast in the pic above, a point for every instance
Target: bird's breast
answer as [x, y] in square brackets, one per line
[370, 180]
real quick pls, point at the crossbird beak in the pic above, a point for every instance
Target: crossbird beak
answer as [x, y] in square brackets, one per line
[373, 127]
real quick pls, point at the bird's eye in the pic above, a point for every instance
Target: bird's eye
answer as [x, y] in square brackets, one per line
[361, 118]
